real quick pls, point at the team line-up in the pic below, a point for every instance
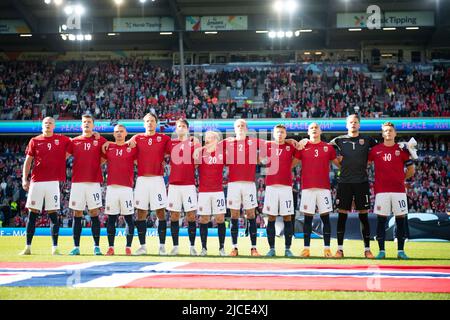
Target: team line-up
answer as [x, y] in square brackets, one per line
[46, 156]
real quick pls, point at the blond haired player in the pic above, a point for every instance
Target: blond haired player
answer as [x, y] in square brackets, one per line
[211, 199]
[46, 153]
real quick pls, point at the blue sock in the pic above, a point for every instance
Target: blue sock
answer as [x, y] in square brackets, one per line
[31, 226]
[54, 227]
[76, 229]
[175, 230]
[221, 230]
[162, 230]
[111, 229]
[270, 229]
[288, 234]
[130, 229]
[234, 230]
[95, 228]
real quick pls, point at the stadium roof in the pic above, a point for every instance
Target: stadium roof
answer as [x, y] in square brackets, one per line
[320, 16]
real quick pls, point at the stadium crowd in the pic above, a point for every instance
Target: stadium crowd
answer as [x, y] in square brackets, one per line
[130, 88]
[427, 192]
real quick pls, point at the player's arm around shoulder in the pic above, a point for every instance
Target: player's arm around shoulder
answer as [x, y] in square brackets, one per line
[197, 155]
[299, 145]
[132, 141]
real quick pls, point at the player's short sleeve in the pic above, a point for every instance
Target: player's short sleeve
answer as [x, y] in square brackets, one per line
[69, 148]
[166, 139]
[102, 141]
[134, 153]
[332, 154]
[221, 147]
[264, 150]
[406, 158]
[31, 151]
[261, 143]
[335, 143]
[67, 141]
[224, 155]
[104, 155]
[298, 154]
[168, 147]
[371, 156]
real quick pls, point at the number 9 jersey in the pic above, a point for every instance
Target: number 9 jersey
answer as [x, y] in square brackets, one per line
[49, 155]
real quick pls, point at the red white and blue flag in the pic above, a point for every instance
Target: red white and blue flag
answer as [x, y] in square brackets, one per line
[210, 275]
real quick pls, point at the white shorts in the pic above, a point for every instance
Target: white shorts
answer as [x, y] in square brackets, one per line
[211, 203]
[119, 200]
[45, 191]
[150, 193]
[85, 193]
[315, 197]
[241, 193]
[182, 197]
[278, 199]
[395, 202]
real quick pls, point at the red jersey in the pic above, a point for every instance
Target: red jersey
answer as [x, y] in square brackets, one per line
[49, 155]
[316, 165]
[389, 165]
[278, 169]
[242, 157]
[87, 154]
[120, 164]
[151, 151]
[182, 164]
[210, 171]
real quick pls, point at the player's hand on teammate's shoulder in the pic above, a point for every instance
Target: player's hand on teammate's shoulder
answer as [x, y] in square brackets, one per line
[301, 144]
[230, 139]
[293, 142]
[96, 135]
[194, 139]
[197, 152]
[131, 143]
[105, 146]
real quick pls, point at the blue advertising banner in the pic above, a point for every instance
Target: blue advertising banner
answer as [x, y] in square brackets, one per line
[121, 232]
[151, 232]
[292, 125]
